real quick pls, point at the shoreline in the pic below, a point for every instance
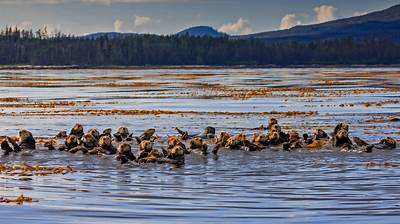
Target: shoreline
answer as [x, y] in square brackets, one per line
[183, 67]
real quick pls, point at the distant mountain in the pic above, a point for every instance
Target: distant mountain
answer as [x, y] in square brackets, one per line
[380, 24]
[109, 35]
[201, 31]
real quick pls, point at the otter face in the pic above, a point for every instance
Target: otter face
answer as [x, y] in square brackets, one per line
[77, 130]
[71, 141]
[389, 141]
[223, 137]
[173, 141]
[105, 141]
[123, 131]
[146, 146]
[232, 142]
[177, 151]
[275, 128]
[273, 136]
[124, 148]
[196, 143]
[342, 134]
[89, 141]
[94, 132]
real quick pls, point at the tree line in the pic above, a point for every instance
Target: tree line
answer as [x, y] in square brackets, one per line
[21, 47]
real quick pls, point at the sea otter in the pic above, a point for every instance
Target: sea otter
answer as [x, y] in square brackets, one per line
[50, 144]
[209, 133]
[94, 132]
[174, 141]
[146, 135]
[260, 139]
[196, 143]
[276, 136]
[386, 143]
[6, 147]
[77, 130]
[221, 141]
[26, 140]
[174, 155]
[145, 147]
[105, 146]
[61, 135]
[359, 142]
[107, 132]
[124, 153]
[272, 121]
[294, 141]
[320, 134]
[341, 137]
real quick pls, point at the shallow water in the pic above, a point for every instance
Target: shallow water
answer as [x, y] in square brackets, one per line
[235, 187]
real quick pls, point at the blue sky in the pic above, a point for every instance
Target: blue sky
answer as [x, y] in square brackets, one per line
[169, 16]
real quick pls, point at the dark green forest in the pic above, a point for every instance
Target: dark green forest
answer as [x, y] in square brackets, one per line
[20, 47]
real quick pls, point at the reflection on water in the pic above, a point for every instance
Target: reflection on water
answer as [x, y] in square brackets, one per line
[236, 187]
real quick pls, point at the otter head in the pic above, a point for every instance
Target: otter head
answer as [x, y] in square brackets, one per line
[94, 132]
[342, 134]
[71, 141]
[89, 141]
[223, 137]
[173, 141]
[294, 136]
[61, 134]
[209, 132]
[146, 146]
[123, 132]
[124, 148]
[177, 151]
[319, 134]
[24, 135]
[196, 143]
[232, 143]
[105, 141]
[77, 130]
[272, 121]
[389, 141]
[107, 131]
[273, 136]
[275, 128]
[149, 132]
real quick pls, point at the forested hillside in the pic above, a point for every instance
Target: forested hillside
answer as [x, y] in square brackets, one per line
[39, 48]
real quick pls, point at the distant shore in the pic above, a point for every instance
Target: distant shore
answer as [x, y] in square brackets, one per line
[148, 67]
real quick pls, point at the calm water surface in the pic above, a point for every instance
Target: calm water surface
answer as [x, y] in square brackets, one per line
[235, 187]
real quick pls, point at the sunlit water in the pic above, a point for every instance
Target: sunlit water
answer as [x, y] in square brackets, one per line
[235, 187]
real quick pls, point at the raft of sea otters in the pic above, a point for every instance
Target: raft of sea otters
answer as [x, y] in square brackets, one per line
[120, 143]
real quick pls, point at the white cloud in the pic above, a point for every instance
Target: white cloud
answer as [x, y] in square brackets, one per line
[289, 21]
[142, 21]
[242, 26]
[118, 24]
[325, 13]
